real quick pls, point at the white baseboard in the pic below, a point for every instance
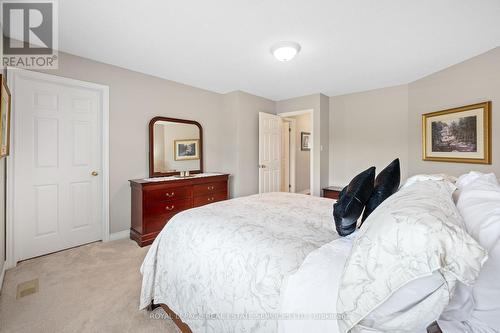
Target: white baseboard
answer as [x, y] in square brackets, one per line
[2, 274]
[119, 235]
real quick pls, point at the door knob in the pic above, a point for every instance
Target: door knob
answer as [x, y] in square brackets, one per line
[94, 173]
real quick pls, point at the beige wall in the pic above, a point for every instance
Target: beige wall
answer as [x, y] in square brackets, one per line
[302, 157]
[475, 80]
[135, 98]
[242, 146]
[323, 122]
[2, 209]
[368, 128]
[298, 103]
[2, 216]
[374, 127]
[247, 149]
[230, 105]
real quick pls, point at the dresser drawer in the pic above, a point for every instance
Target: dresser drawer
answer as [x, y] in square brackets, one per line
[157, 214]
[156, 223]
[209, 188]
[209, 198]
[168, 194]
[168, 207]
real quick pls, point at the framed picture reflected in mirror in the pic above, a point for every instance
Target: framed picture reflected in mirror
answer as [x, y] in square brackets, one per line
[186, 149]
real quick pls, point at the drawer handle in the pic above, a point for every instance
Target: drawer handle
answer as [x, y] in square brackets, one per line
[210, 199]
[170, 194]
[169, 208]
[210, 187]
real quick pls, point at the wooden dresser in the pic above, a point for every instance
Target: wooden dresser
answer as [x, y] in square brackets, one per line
[155, 202]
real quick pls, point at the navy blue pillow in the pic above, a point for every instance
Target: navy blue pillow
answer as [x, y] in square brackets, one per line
[352, 200]
[386, 184]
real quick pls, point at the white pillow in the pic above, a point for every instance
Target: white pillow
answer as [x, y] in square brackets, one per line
[468, 178]
[408, 296]
[479, 205]
[413, 234]
[450, 180]
[477, 309]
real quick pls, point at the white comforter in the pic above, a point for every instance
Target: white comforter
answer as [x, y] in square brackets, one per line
[230, 258]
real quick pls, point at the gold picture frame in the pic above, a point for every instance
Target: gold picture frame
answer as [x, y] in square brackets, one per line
[5, 113]
[459, 135]
[188, 149]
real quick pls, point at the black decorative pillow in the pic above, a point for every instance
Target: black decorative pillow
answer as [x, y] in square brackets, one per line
[386, 184]
[351, 202]
[341, 194]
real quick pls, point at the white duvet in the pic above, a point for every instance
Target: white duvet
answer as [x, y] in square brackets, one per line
[222, 267]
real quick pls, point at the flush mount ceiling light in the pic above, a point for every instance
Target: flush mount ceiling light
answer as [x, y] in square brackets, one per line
[285, 51]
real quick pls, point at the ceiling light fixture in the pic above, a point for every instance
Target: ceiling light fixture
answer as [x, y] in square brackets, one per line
[285, 51]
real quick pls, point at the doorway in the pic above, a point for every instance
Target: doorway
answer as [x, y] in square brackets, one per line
[296, 147]
[58, 171]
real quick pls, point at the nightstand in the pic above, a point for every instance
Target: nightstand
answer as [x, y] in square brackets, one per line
[332, 192]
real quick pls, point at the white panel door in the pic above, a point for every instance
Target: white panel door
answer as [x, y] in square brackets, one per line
[269, 152]
[58, 158]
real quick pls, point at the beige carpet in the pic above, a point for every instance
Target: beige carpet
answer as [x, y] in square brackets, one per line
[92, 288]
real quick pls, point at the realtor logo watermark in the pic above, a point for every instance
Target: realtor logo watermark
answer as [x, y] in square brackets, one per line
[29, 30]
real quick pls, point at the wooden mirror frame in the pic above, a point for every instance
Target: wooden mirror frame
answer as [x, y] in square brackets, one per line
[151, 146]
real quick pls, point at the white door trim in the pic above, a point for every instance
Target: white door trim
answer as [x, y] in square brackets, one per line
[2, 274]
[311, 159]
[292, 153]
[295, 113]
[12, 74]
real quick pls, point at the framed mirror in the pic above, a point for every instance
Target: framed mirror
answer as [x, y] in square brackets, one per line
[175, 145]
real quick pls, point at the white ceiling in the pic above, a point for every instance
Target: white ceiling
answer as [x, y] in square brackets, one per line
[224, 45]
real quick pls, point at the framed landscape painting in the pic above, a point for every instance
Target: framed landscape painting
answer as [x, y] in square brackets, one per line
[458, 135]
[186, 150]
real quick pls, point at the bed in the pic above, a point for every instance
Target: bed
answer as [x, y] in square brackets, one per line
[274, 263]
[232, 258]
